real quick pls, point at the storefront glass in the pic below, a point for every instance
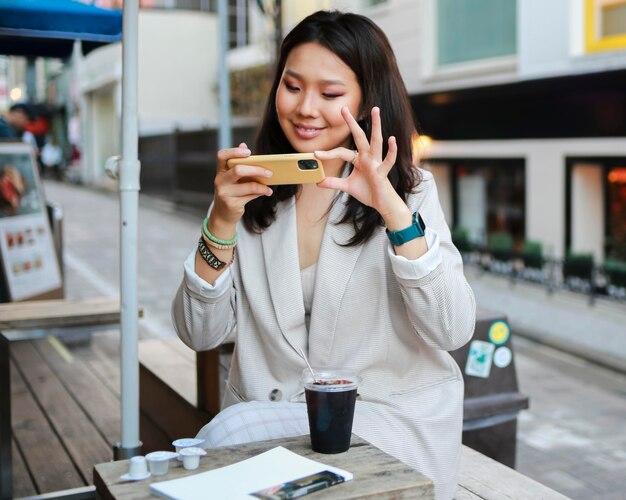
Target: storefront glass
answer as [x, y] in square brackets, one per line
[488, 196]
[616, 213]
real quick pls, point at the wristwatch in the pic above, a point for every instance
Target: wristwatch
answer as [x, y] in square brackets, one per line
[415, 230]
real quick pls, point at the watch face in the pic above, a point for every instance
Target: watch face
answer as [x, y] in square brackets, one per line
[420, 221]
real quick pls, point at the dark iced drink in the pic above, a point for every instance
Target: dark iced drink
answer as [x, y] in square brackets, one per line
[330, 400]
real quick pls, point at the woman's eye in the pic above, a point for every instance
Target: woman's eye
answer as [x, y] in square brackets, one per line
[291, 88]
[331, 96]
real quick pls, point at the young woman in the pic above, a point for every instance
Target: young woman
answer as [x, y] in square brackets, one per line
[357, 271]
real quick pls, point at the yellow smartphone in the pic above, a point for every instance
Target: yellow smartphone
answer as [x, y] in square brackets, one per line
[292, 168]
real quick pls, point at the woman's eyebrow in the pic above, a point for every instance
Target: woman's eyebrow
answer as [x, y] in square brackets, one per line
[298, 76]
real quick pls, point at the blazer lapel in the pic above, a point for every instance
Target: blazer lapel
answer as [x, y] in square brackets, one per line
[335, 266]
[280, 252]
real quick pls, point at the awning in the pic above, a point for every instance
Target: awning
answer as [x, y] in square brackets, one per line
[48, 28]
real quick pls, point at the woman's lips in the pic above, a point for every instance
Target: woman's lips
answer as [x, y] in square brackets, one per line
[307, 132]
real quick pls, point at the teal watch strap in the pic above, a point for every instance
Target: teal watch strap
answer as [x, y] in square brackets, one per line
[407, 234]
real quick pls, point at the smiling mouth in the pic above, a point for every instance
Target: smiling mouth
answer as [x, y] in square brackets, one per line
[307, 132]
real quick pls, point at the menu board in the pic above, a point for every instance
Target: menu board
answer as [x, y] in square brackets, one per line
[29, 262]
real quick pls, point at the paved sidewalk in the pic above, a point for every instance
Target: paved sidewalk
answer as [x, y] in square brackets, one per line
[562, 319]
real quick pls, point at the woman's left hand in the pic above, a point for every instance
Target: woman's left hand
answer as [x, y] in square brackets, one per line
[368, 180]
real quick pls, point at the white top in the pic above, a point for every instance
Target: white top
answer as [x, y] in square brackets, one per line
[307, 276]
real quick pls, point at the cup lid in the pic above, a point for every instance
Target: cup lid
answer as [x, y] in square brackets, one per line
[186, 442]
[192, 451]
[330, 379]
[159, 456]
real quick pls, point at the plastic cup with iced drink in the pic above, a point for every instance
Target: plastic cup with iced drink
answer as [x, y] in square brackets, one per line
[330, 400]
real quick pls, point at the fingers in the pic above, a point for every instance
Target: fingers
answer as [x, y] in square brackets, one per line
[337, 153]
[243, 190]
[392, 154]
[241, 171]
[376, 140]
[231, 199]
[360, 139]
[223, 155]
[334, 183]
[233, 184]
[373, 146]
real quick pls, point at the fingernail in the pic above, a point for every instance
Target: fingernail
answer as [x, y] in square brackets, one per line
[269, 192]
[268, 173]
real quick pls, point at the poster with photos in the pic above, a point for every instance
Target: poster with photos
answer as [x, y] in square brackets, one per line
[29, 261]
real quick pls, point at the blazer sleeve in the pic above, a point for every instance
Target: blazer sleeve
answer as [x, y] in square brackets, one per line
[437, 297]
[203, 315]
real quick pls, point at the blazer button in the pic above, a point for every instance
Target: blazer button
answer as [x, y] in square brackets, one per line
[276, 395]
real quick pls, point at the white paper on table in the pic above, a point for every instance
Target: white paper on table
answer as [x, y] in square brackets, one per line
[238, 480]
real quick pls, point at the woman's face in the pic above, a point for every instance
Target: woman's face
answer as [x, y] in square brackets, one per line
[314, 86]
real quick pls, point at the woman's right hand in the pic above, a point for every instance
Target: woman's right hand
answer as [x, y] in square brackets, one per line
[231, 194]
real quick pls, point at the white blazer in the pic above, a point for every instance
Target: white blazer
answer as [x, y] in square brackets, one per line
[389, 318]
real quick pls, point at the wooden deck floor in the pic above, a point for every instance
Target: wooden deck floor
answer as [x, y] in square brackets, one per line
[65, 407]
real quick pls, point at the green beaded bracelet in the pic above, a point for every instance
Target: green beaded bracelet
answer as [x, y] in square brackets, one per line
[223, 244]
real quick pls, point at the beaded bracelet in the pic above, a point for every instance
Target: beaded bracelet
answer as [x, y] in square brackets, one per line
[210, 258]
[216, 245]
[214, 241]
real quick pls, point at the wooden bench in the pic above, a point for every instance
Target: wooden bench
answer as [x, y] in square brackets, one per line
[21, 321]
[61, 313]
[170, 394]
[179, 390]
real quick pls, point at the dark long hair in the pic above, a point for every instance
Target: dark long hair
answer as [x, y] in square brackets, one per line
[363, 46]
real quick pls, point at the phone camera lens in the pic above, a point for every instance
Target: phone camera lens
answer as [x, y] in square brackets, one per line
[307, 164]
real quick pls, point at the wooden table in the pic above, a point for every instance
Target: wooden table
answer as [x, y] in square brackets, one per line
[376, 474]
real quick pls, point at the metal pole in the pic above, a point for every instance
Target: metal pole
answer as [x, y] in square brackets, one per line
[224, 139]
[6, 436]
[129, 197]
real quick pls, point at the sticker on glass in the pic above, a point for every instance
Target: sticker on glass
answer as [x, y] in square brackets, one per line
[502, 357]
[499, 332]
[479, 359]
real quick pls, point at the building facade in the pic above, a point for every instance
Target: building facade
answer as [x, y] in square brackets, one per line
[524, 105]
[523, 102]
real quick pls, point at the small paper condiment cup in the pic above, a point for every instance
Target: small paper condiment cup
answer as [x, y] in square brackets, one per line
[180, 444]
[191, 457]
[137, 469]
[159, 462]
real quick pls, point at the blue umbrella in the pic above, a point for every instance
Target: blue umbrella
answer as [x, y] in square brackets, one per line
[48, 28]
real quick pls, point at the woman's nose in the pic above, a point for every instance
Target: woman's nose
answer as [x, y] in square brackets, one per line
[308, 105]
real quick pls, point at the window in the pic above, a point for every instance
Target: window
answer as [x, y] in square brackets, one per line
[488, 196]
[238, 22]
[596, 206]
[616, 212]
[605, 25]
[470, 30]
